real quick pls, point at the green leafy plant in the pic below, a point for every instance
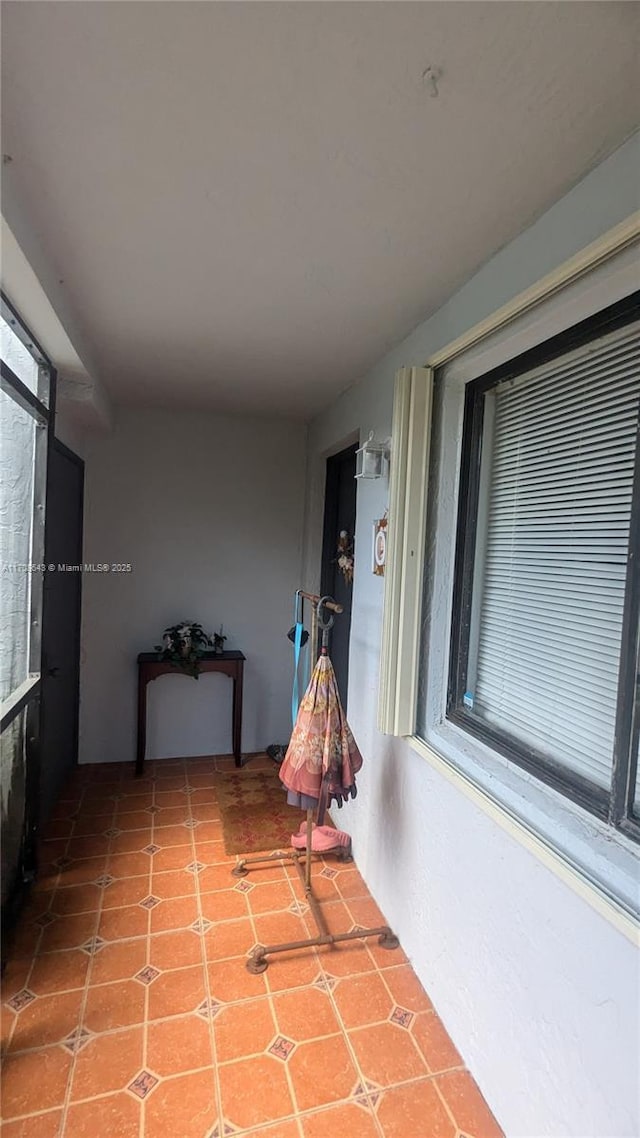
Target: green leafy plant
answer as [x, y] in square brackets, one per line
[184, 644]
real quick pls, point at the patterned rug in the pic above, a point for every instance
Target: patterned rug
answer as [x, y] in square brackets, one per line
[254, 810]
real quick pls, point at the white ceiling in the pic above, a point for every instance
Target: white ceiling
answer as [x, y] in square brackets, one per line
[248, 203]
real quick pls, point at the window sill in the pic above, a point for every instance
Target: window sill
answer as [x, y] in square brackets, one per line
[597, 862]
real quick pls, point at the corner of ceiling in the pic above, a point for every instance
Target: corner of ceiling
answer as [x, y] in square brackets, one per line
[31, 286]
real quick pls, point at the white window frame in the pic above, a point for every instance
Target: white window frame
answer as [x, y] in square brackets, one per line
[600, 863]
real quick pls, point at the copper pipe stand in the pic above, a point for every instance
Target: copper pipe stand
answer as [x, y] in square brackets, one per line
[258, 962]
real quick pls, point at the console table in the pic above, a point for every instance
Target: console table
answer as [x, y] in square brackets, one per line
[150, 667]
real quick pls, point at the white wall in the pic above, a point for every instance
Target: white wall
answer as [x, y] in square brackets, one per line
[539, 991]
[208, 510]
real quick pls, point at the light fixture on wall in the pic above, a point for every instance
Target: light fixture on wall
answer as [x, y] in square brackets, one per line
[372, 459]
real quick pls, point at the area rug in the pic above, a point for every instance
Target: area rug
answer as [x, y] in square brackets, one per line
[254, 811]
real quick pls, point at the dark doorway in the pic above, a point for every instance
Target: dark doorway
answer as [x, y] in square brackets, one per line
[339, 514]
[61, 624]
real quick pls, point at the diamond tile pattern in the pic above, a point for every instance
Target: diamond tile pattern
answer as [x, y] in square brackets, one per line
[143, 1084]
[281, 1047]
[132, 1012]
[147, 975]
[149, 902]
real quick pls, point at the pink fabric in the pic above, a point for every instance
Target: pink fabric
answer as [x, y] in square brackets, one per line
[323, 838]
[322, 742]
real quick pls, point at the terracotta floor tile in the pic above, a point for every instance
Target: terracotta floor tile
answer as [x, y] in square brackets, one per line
[81, 872]
[305, 1014]
[346, 959]
[97, 807]
[109, 1006]
[129, 865]
[227, 905]
[178, 1045]
[254, 1091]
[365, 912]
[243, 1029]
[288, 1128]
[211, 852]
[351, 884]
[126, 891]
[118, 924]
[176, 993]
[337, 917]
[406, 989]
[14, 977]
[133, 820]
[58, 827]
[172, 858]
[107, 1063]
[292, 970]
[134, 803]
[229, 938]
[76, 899]
[46, 1070]
[171, 816]
[325, 889]
[173, 883]
[216, 877]
[115, 1115]
[348, 1119]
[119, 960]
[175, 913]
[168, 836]
[467, 1105]
[434, 1043]
[362, 1000]
[271, 896]
[59, 972]
[280, 928]
[39, 1126]
[322, 1072]
[90, 825]
[208, 816]
[174, 950]
[95, 845]
[387, 1054]
[208, 832]
[69, 932]
[131, 841]
[189, 1101]
[204, 795]
[386, 957]
[414, 1109]
[8, 1019]
[170, 799]
[229, 980]
[203, 779]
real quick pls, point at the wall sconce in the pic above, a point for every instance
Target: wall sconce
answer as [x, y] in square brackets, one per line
[372, 459]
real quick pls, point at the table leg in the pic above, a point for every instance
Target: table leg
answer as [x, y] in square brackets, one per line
[142, 726]
[237, 717]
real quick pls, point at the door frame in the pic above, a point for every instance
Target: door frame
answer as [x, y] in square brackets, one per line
[330, 511]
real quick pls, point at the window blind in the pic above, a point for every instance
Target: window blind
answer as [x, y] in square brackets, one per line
[551, 553]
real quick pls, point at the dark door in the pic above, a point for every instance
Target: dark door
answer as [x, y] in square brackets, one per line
[339, 516]
[61, 624]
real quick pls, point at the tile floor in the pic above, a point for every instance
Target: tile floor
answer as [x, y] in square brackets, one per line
[128, 1012]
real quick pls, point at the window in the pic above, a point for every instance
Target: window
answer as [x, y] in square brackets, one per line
[544, 649]
[26, 401]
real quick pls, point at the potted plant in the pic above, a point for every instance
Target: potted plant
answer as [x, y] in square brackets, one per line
[183, 645]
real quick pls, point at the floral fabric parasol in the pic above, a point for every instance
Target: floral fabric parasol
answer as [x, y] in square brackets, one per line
[322, 754]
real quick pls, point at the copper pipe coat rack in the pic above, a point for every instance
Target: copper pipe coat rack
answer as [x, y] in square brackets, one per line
[258, 962]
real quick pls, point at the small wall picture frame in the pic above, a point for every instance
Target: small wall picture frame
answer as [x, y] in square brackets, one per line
[379, 546]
